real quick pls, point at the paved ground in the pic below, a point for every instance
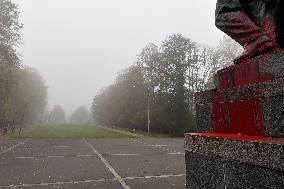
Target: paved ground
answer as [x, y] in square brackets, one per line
[137, 163]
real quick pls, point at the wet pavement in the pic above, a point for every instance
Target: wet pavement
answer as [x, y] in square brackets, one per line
[138, 163]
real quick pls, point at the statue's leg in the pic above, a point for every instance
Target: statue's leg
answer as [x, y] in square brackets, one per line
[231, 19]
[280, 24]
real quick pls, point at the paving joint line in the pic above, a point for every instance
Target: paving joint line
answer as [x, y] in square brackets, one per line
[160, 147]
[56, 183]
[89, 181]
[87, 155]
[154, 177]
[110, 168]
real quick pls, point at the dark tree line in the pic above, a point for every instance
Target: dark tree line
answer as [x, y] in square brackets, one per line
[163, 82]
[22, 89]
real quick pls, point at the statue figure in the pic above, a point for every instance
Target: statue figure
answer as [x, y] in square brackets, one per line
[257, 25]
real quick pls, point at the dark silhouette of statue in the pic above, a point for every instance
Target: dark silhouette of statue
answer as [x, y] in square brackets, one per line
[257, 25]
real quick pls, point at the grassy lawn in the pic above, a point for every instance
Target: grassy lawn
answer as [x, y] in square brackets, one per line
[69, 131]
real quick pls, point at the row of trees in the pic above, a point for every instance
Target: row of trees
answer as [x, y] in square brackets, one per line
[22, 90]
[57, 115]
[158, 89]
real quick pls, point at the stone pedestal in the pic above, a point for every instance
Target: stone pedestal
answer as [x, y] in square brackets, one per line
[240, 142]
[233, 161]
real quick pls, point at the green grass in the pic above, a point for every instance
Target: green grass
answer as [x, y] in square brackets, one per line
[69, 131]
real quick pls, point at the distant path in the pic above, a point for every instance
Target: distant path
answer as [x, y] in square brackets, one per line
[123, 132]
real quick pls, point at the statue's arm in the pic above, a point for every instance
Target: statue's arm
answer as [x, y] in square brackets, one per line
[231, 19]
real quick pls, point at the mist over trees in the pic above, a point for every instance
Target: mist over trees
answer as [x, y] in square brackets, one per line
[80, 116]
[10, 36]
[22, 90]
[157, 90]
[57, 115]
[163, 82]
[31, 97]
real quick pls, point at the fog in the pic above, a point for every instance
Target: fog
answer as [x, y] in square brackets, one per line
[78, 46]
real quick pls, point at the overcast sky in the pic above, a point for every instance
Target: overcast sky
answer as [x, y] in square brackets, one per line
[78, 46]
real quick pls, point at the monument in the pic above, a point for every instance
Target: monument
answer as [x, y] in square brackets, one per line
[240, 139]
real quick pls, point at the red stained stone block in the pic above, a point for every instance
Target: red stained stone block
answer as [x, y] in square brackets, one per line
[246, 117]
[220, 118]
[266, 77]
[238, 75]
[246, 73]
[240, 117]
[226, 78]
[258, 117]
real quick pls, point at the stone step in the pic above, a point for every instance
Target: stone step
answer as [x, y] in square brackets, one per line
[255, 109]
[261, 151]
[262, 68]
[263, 117]
[233, 161]
[259, 90]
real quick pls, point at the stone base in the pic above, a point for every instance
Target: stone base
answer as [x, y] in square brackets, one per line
[234, 162]
[259, 69]
[248, 99]
[255, 109]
